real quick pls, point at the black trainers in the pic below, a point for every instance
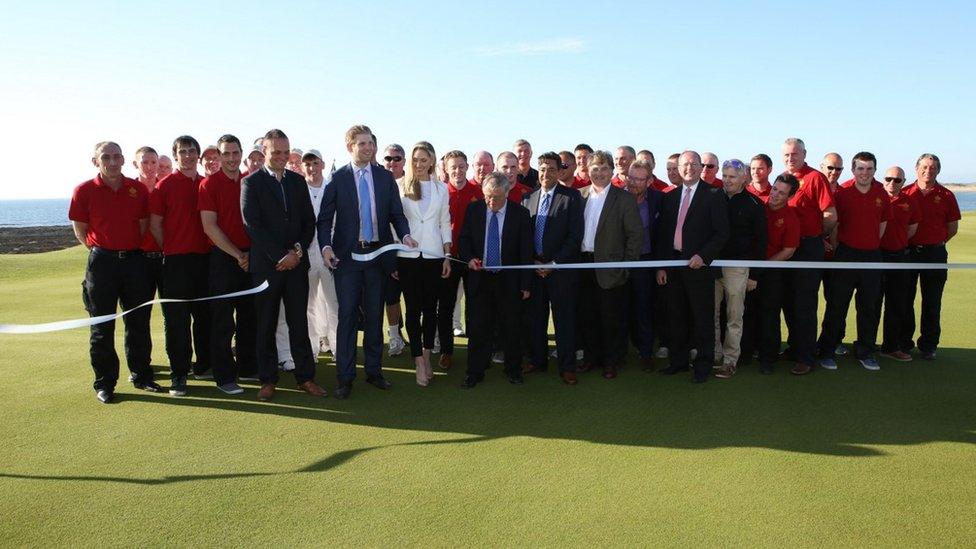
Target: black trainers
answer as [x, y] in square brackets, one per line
[105, 396]
[178, 387]
[149, 386]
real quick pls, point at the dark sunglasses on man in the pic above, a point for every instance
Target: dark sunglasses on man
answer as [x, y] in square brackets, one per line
[393, 158]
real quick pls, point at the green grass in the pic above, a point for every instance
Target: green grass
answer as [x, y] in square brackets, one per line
[839, 458]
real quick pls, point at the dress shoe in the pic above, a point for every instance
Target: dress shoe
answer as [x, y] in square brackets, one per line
[699, 378]
[342, 391]
[469, 383]
[647, 364]
[673, 369]
[312, 388]
[516, 379]
[801, 369]
[609, 372]
[445, 362]
[149, 386]
[379, 382]
[529, 368]
[569, 378]
[421, 372]
[105, 396]
[267, 392]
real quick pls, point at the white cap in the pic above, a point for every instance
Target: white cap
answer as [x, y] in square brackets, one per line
[313, 152]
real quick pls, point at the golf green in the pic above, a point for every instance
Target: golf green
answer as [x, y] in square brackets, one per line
[837, 458]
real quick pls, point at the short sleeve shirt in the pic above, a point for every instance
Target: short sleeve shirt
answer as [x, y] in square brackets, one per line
[904, 212]
[860, 214]
[221, 194]
[175, 199]
[112, 215]
[783, 228]
[811, 200]
[938, 207]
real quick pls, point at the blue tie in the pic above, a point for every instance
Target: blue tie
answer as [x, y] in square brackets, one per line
[493, 245]
[365, 208]
[540, 223]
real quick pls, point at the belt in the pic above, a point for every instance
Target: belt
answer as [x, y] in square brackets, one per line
[121, 254]
[920, 247]
[587, 257]
[153, 255]
[368, 246]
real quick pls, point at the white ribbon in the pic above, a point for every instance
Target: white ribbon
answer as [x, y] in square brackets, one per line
[684, 263]
[91, 321]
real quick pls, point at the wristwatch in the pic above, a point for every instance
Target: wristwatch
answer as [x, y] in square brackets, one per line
[298, 250]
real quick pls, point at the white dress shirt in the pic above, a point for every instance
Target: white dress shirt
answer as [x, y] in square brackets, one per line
[591, 216]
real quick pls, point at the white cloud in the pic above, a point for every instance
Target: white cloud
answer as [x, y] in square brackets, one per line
[563, 45]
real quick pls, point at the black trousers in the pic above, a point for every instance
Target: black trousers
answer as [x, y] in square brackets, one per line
[898, 301]
[111, 280]
[769, 292]
[226, 276]
[749, 343]
[827, 273]
[843, 284]
[185, 277]
[493, 308]
[446, 301]
[603, 313]
[800, 304]
[154, 275]
[642, 285]
[557, 292]
[931, 283]
[288, 288]
[691, 297]
[420, 279]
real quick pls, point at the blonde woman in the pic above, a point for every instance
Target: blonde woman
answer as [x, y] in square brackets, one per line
[425, 204]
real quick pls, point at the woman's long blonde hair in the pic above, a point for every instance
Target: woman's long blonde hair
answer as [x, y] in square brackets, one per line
[411, 181]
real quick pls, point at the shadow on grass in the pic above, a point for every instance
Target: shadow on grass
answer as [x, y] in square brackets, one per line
[848, 412]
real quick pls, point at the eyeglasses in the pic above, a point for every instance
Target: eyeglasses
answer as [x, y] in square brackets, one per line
[393, 158]
[894, 179]
[709, 166]
[834, 169]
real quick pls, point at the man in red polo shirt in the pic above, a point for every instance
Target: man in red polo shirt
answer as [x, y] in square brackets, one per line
[176, 226]
[623, 157]
[814, 207]
[759, 169]
[863, 211]
[508, 165]
[461, 192]
[483, 164]
[672, 169]
[783, 238]
[896, 341]
[210, 160]
[165, 168]
[710, 166]
[109, 215]
[147, 165]
[528, 177]
[582, 153]
[939, 223]
[219, 203]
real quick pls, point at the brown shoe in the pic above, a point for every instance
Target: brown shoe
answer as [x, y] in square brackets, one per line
[312, 388]
[528, 368]
[445, 362]
[726, 371]
[267, 392]
[801, 369]
[569, 378]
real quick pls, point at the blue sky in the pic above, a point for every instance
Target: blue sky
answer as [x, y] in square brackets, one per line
[894, 78]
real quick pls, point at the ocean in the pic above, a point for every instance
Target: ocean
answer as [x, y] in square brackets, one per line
[54, 211]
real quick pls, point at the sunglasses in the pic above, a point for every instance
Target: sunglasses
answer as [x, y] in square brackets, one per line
[393, 158]
[834, 169]
[894, 180]
[709, 166]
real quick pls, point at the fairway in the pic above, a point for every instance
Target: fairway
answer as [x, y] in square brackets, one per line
[843, 458]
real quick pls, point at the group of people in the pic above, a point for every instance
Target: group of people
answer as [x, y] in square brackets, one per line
[315, 240]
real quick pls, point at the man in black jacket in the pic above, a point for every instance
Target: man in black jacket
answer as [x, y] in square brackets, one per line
[495, 233]
[278, 217]
[557, 219]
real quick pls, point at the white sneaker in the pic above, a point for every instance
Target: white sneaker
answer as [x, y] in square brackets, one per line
[692, 355]
[458, 330]
[870, 364]
[662, 352]
[579, 354]
[286, 365]
[498, 357]
[437, 345]
[396, 346]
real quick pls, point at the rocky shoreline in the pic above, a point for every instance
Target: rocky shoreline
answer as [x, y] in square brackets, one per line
[33, 240]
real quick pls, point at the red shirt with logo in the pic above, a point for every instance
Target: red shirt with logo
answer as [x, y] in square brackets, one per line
[175, 199]
[860, 214]
[938, 207]
[221, 194]
[457, 204]
[810, 200]
[783, 228]
[149, 243]
[112, 215]
[904, 212]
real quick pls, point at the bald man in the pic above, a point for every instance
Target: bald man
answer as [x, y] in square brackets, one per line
[896, 341]
[483, 164]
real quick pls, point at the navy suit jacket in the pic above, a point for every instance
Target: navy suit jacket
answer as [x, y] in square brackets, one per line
[340, 203]
[564, 224]
[516, 244]
[276, 216]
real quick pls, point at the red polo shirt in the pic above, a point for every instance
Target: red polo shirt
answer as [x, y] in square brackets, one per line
[904, 212]
[783, 228]
[661, 186]
[810, 200]
[938, 208]
[617, 182]
[221, 194]
[761, 195]
[148, 242]
[471, 181]
[112, 216]
[175, 200]
[579, 182]
[860, 216]
[457, 204]
[718, 184]
[518, 190]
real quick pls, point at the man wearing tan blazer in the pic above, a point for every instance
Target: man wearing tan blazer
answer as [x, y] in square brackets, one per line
[612, 231]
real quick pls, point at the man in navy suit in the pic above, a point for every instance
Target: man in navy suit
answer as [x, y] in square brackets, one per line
[495, 232]
[557, 220]
[360, 203]
[278, 217]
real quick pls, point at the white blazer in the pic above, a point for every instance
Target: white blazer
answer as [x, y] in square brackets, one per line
[432, 229]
